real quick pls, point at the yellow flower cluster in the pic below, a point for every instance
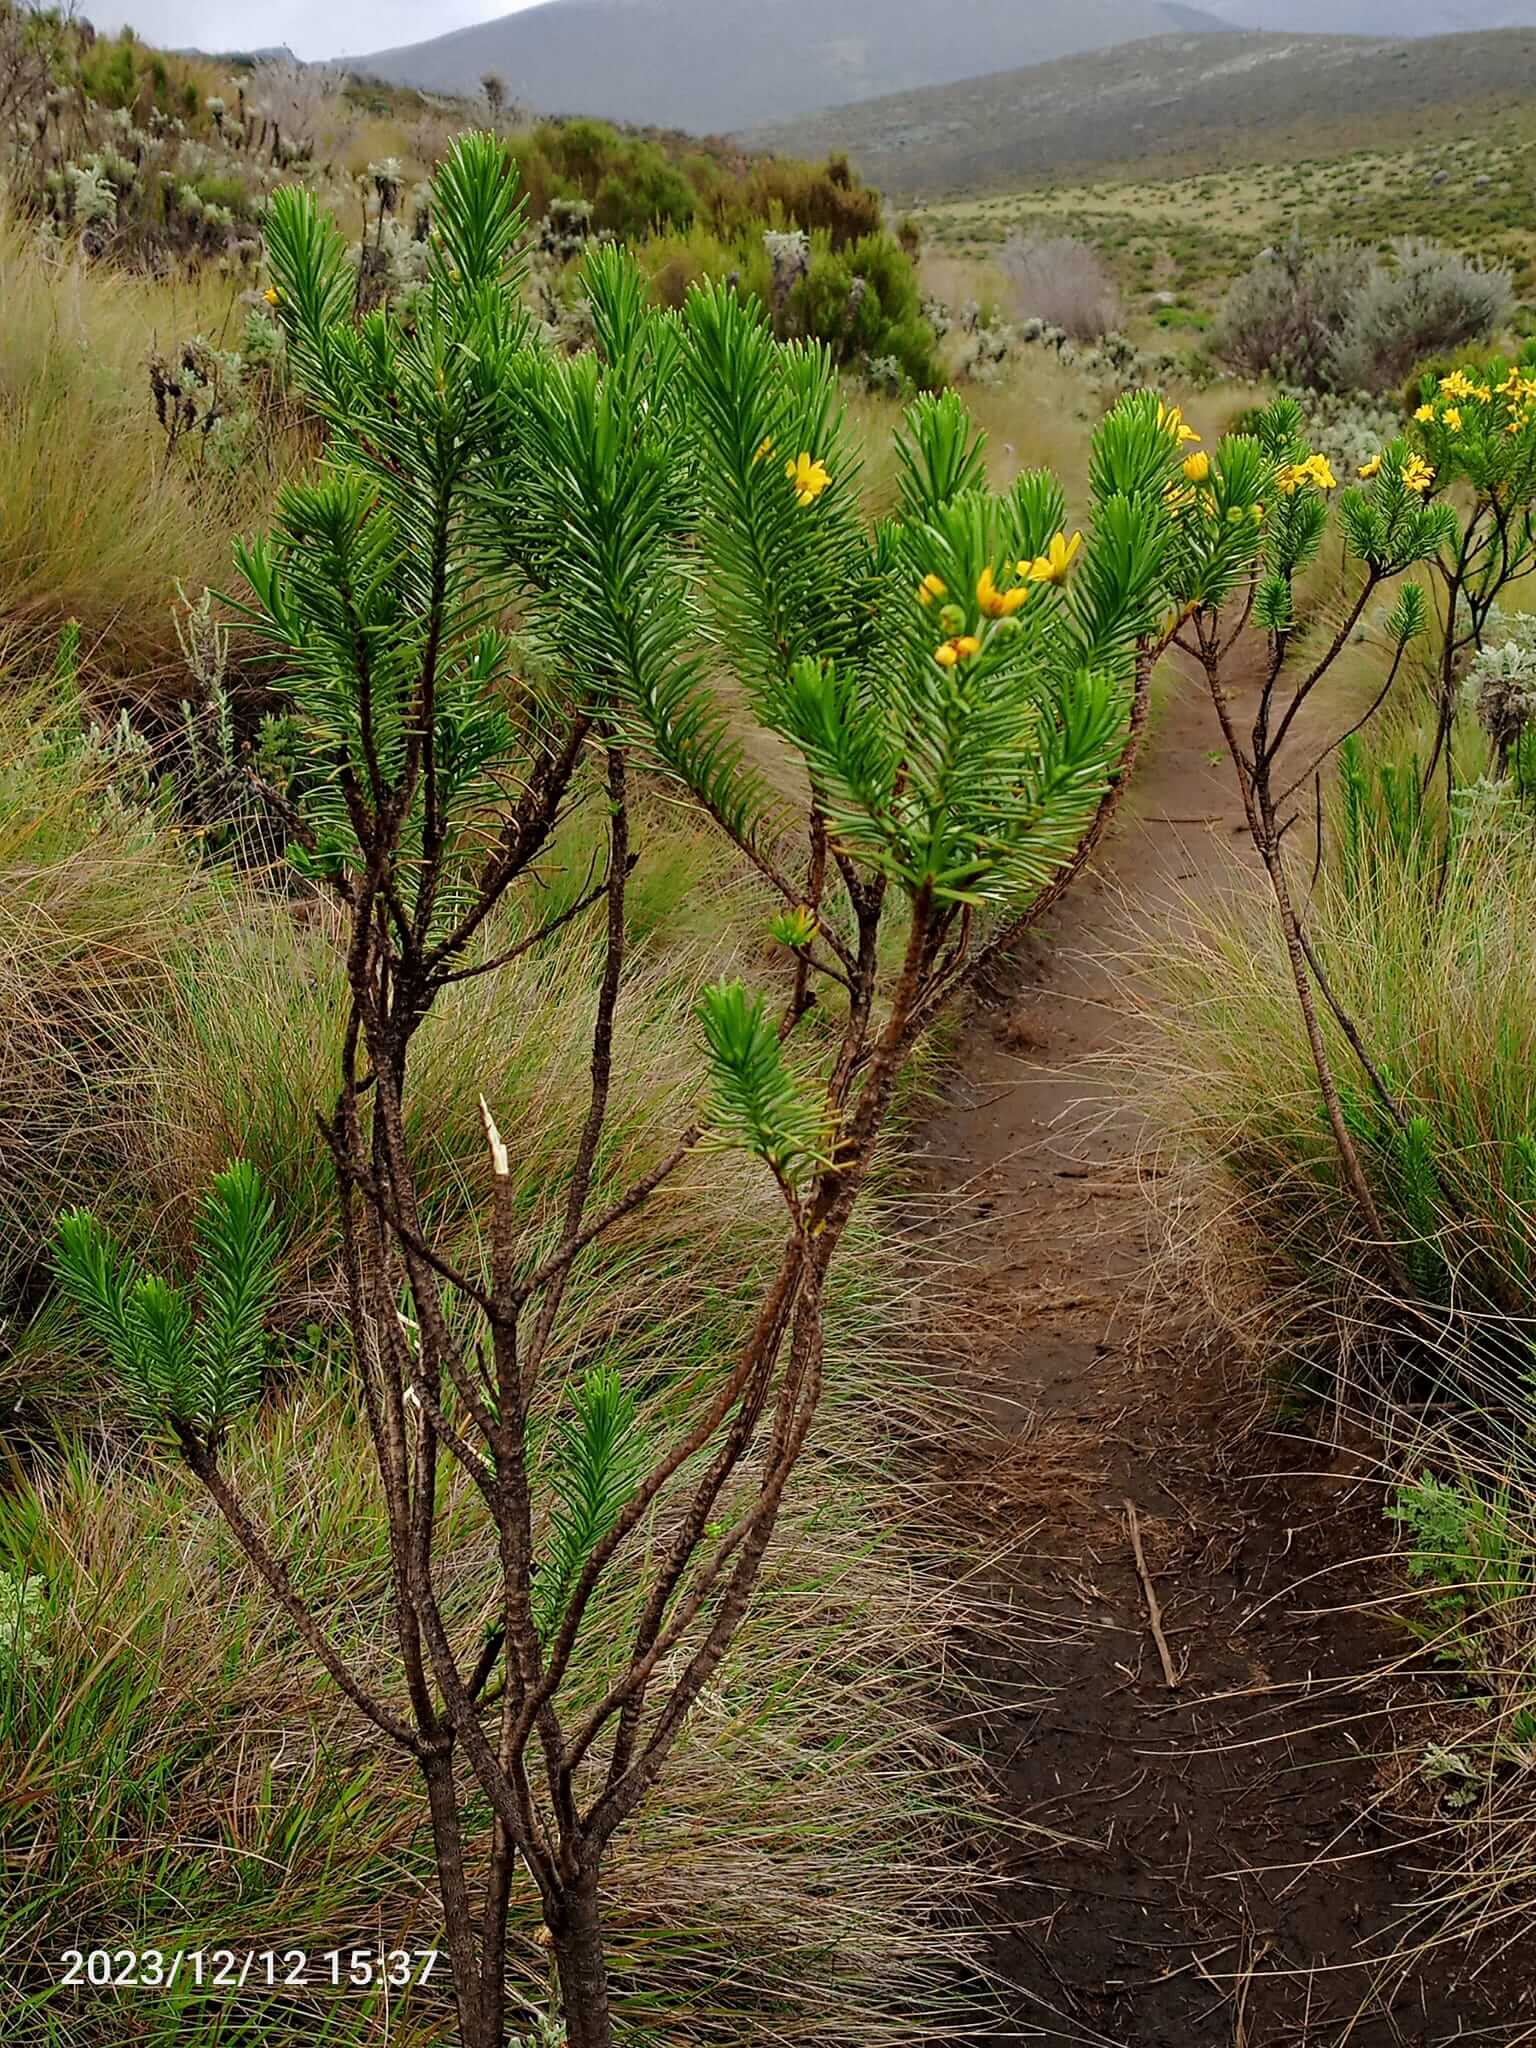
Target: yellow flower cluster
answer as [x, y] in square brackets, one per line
[809, 478]
[1417, 474]
[1445, 409]
[992, 602]
[1313, 469]
[1518, 391]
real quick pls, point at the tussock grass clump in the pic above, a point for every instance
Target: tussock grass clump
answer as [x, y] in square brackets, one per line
[92, 524]
[1421, 925]
[96, 910]
[1428, 955]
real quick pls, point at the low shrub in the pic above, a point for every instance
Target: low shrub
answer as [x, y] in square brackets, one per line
[863, 301]
[639, 184]
[1338, 319]
[1063, 282]
[1282, 317]
[1427, 298]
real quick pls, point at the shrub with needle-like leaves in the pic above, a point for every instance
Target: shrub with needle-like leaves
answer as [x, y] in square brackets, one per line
[1474, 431]
[913, 731]
[1251, 518]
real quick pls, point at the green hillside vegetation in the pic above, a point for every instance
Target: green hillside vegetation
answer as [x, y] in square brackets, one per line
[1190, 234]
[1178, 104]
[157, 162]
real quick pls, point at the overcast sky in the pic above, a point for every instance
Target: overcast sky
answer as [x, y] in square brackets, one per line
[312, 28]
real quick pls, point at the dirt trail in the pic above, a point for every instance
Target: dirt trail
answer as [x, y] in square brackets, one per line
[1216, 1885]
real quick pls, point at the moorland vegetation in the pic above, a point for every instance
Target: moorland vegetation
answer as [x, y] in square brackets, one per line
[519, 721]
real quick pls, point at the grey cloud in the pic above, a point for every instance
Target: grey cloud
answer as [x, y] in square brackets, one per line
[311, 31]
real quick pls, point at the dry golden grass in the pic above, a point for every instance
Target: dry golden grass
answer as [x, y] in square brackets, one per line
[92, 526]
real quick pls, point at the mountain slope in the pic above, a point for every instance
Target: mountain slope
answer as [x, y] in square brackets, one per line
[1393, 18]
[714, 66]
[1208, 96]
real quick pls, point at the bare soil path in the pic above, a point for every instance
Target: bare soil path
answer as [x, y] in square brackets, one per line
[1213, 1881]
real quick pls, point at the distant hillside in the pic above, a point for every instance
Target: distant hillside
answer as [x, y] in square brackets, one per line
[1394, 18]
[1174, 95]
[713, 66]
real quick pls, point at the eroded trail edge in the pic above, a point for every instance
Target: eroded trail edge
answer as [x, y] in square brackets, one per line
[1217, 1860]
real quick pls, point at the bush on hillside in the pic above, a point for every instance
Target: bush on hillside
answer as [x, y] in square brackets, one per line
[1428, 298]
[1283, 316]
[1062, 281]
[1338, 319]
[863, 301]
[638, 184]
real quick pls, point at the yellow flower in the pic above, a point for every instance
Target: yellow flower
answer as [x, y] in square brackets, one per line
[930, 588]
[809, 477]
[1481, 391]
[1425, 414]
[1371, 468]
[1197, 467]
[1172, 421]
[1313, 469]
[764, 449]
[272, 295]
[957, 650]
[998, 604]
[1457, 385]
[1052, 566]
[1417, 474]
[1453, 418]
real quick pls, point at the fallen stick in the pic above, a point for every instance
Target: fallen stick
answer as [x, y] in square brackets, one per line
[1154, 1612]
